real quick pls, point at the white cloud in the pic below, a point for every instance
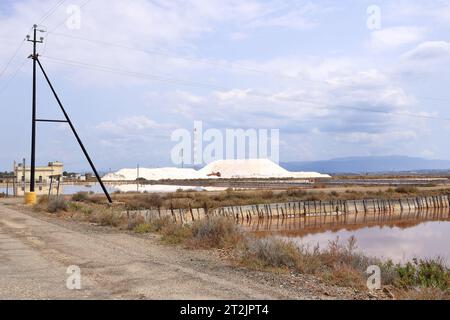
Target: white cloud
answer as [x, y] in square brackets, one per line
[394, 37]
[435, 11]
[336, 104]
[238, 36]
[428, 51]
[377, 139]
[130, 125]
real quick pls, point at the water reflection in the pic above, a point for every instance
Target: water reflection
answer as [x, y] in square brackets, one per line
[69, 189]
[400, 236]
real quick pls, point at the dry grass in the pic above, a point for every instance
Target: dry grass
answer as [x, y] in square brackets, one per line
[143, 228]
[270, 253]
[107, 218]
[344, 276]
[343, 266]
[215, 232]
[51, 205]
[422, 294]
[80, 197]
[173, 233]
[184, 199]
[338, 264]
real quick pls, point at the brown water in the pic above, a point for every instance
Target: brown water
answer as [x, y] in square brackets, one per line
[399, 237]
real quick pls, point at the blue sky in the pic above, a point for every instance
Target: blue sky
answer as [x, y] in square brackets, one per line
[290, 65]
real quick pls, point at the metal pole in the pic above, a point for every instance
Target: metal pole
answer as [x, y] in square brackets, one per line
[14, 179]
[75, 132]
[33, 124]
[24, 175]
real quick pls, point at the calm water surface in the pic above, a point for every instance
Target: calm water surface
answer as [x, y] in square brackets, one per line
[423, 235]
[96, 188]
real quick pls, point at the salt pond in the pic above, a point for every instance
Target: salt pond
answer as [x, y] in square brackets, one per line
[426, 240]
[96, 188]
[424, 236]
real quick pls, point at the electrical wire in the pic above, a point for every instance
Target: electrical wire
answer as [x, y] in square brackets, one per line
[64, 21]
[172, 55]
[16, 52]
[215, 64]
[51, 11]
[183, 82]
[11, 79]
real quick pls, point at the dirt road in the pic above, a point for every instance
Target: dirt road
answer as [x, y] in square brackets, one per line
[36, 250]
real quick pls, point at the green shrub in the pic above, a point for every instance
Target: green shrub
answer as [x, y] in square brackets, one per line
[143, 228]
[424, 273]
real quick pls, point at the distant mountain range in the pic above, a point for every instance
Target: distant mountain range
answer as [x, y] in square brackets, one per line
[369, 165]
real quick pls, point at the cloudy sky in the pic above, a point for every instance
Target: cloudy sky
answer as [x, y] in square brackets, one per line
[336, 80]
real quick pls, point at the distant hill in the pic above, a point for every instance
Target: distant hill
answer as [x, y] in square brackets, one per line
[369, 165]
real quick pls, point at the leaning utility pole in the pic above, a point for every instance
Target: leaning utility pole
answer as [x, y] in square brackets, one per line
[30, 198]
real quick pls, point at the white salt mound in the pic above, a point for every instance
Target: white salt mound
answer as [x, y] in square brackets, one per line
[153, 174]
[254, 168]
[226, 169]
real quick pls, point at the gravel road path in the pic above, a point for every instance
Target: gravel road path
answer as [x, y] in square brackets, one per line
[36, 250]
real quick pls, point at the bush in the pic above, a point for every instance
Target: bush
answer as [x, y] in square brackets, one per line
[106, 218]
[424, 273]
[345, 276]
[272, 252]
[296, 193]
[134, 222]
[147, 201]
[157, 225]
[173, 233]
[80, 197]
[143, 228]
[406, 189]
[56, 204]
[216, 232]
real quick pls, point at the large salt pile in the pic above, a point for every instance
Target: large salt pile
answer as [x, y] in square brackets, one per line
[153, 174]
[227, 169]
[253, 168]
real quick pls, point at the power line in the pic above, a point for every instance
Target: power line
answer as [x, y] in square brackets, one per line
[64, 21]
[12, 58]
[169, 54]
[202, 61]
[51, 11]
[11, 79]
[217, 87]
